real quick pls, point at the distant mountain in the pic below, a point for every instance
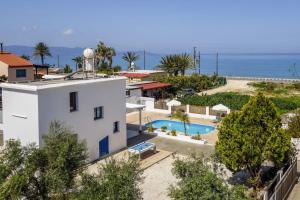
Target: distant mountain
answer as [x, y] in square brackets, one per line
[64, 55]
[55, 51]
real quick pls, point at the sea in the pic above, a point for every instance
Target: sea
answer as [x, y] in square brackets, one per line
[270, 65]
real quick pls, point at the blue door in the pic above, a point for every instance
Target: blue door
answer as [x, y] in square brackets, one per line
[103, 147]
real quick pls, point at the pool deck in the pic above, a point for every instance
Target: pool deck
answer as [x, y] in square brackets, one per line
[148, 159]
[133, 121]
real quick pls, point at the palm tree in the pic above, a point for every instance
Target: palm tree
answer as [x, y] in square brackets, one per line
[173, 64]
[101, 52]
[169, 64]
[130, 57]
[185, 62]
[41, 50]
[78, 61]
[25, 57]
[110, 53]
[183, 117]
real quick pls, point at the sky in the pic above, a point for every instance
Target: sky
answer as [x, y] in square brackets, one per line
[161, 26]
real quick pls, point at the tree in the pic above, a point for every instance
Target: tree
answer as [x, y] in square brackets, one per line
[22, 172]
[109, 55]
[197, 181]
[185, 62]
[294, 125]
[130, 57]
[26, 57]
[168, 64]
[42, 173]
[116, 179]
[68, 69]
[173, 64]
[78, 61]
[41, 50]
[183, 117]
[252, 136]
[100, 53]
[66, 157]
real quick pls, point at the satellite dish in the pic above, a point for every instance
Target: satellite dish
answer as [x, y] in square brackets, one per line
[89, 53]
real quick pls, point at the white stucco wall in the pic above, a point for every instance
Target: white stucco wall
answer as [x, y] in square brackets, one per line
[20, 115]
[135, 95]
[48, 104]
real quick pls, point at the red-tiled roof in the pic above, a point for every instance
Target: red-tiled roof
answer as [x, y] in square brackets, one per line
[134, 75]
[155, 85]
[13, 60]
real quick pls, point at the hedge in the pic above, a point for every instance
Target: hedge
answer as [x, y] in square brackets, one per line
[236, 101]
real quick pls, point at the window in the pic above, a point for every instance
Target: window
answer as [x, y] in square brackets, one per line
[73, 101]
[98, 112]
[116, 127]
[21, 73]
[128, 93]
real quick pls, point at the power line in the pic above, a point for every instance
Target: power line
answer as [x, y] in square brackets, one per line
[144, 59]
[217, 64]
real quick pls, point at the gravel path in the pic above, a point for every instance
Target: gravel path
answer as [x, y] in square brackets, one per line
[157, 180]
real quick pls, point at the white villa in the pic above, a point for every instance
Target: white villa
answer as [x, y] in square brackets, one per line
[94, 108]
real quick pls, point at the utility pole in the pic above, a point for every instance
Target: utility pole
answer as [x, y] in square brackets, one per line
[217, 64]
[194, 56]
[144, 59]
[199, 62]
[58, 61]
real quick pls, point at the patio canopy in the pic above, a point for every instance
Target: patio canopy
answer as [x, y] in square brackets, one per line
[221, 107]
[134, 106]
[173, 103]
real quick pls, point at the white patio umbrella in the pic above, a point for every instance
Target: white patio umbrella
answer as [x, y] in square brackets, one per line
[221, 107]
[173, 103]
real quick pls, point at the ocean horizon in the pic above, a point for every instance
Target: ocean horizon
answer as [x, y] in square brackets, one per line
[269, 65]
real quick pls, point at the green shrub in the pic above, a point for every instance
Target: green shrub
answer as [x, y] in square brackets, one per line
[163, 128]
[196, 137]
[173, 133]
[195, 81]
[236, 101]
[297, 85]
[232, 100]
[150, 128]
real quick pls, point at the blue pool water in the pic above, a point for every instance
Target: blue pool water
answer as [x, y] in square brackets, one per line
[141, 146]
[192, 129]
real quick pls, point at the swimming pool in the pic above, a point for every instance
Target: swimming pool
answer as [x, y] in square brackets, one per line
[192, 129]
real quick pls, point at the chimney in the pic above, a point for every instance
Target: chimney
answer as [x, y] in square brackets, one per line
[1, 44]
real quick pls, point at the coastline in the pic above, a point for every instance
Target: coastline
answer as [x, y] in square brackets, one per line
[267, 79]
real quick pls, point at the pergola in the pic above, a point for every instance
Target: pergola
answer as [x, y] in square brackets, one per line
[138, 107]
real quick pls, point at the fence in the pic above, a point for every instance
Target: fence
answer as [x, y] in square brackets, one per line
[282, 184]
[203, 112]
[160, 105]
[198, 110]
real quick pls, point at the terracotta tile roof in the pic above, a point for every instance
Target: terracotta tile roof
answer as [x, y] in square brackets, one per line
[134, 75]
[13, 60]
[155, 85]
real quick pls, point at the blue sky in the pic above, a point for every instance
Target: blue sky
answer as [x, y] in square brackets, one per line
[155, 25]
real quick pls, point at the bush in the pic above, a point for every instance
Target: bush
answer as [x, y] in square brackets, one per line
[195, 81]
[294, 125]
[150, 128]
[163, 128]
[196, 137]
[173, 133]
[232, 100]
[297, 86]
[236, 101]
